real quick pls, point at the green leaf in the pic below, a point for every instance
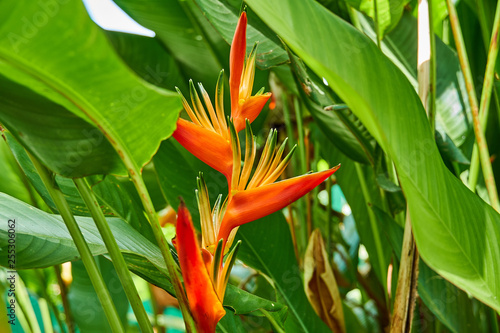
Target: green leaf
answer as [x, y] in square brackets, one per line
[224, 18]
[453, 115]
[148, 59]
[42, 240]
[181, 33]
[340, 126]
[12, 180]
[457, 234]
[85, 306]
[72, 87]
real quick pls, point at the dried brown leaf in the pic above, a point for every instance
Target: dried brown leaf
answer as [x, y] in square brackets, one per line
[320, 285]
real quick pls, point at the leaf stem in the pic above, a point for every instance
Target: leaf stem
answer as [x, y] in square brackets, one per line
[485, 98]
[41, 277]
[303, 164]
[484, 154]
[115, 253]
[329, 221]
[81, 245]
[24, 301]
[276, 327]
[373, 223]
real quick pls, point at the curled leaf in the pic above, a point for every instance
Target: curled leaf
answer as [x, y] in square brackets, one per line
[320, 285]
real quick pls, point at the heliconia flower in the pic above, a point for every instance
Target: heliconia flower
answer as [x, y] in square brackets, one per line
[252, 198]
[243, 104]
[205, 277]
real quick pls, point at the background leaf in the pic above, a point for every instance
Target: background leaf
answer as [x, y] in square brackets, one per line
[74, 78]
[440, 205]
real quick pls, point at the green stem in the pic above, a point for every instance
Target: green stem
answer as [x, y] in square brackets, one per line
[329, 218]
[374, 226]
[276, 327]
[165, 250]
[431, 111]
[24, 301]
[484, 154]
[44, 309]
[45, 294]
[115, 254]
[485, 98]
[288, 125]
[82, 247]
[300, 130]
[377, 25]
[306, 225]
[64, 299]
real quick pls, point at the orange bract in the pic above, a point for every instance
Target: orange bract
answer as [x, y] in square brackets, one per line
[203, 301]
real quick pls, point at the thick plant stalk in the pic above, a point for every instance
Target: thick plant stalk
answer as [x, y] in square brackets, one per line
[485, 97]
[484, 154]
[82, 247]
[406, 291]
[115, 254]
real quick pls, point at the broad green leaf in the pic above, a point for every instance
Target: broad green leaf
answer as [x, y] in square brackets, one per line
[177, 27]
[341, 127]
[42, 240]
[224, 17]
[266, 243]
[457, 234]
[79, 94]
[453, 115]
[86, 309]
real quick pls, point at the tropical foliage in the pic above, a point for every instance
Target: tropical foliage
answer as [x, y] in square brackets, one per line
[148, 179]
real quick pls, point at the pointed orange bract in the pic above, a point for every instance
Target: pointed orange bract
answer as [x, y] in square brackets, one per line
[250, 110]
[208, 146]
[203, 301]
[237, 60]
[250, 205]
[243, 104]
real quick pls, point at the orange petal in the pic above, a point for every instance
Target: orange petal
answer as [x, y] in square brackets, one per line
[208, 146]
[204, 304]
[250, 205]
[250, 110]
[237, 60]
